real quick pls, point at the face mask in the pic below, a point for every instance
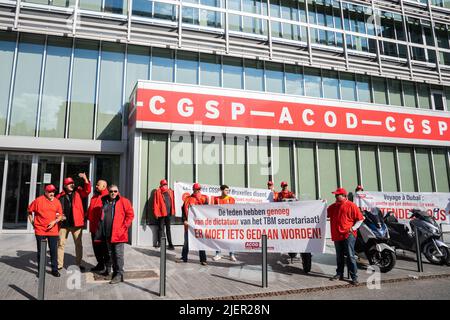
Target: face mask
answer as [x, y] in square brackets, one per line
[164, 188]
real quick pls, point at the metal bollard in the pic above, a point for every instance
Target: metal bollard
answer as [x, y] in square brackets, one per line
[162, 268]
[42, 266]
[264, 261]
[418, 252]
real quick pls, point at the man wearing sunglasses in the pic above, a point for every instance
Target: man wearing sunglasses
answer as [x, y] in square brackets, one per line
[72, 202]
[47, 215]
[117, 215]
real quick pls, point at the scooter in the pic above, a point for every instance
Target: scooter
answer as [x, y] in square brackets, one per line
[436, 251]
[306, 256]
[372, 240]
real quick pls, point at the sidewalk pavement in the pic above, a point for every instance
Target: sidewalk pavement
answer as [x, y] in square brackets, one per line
[223, 279]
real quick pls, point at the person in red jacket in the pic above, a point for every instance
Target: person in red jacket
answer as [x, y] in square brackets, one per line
[224, 199]
[94, 216]
[163, 209]
[116, 219]
[345, 219]
[196, 198]
[285, 193]
[272, 188]
[72, 203]
[47, 215]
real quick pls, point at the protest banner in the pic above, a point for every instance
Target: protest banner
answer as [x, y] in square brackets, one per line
[298, 226]
[401, 203]
[241, 195]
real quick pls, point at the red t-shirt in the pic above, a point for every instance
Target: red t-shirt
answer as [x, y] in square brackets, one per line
[45, 211]
[343, 215]
[226, 200]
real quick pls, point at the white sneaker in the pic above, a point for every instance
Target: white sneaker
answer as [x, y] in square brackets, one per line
[217, 257]
[233, 258]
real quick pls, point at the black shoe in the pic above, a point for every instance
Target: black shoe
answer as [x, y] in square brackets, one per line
[171, 247]
[98, 268]
[157, 245]
[105, 273]
[82, 268]
[337, 277]
[116, 279]
[354, 282]
[56, 273]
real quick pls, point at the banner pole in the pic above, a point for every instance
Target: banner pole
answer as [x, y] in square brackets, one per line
[162, 268]
[418, 252]
[42, 265]
[264, 261]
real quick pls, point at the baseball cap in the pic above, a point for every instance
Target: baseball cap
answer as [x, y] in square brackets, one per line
[270, 183]
[196, 186]
[284, 183]
[359, 187]
[340, 191]
[68, 180]
[50, 188]
[163, 182]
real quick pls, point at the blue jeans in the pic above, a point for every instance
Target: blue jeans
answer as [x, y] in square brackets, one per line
[346, 248]
[52, 242]
[185, 251]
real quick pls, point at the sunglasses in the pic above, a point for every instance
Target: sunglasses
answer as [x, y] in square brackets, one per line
[113, 191]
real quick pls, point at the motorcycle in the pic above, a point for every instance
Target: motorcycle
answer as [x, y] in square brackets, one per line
[436, 251]
[306, 256]
[372, 240]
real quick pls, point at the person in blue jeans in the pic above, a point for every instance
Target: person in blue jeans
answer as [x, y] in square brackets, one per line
[345, 219]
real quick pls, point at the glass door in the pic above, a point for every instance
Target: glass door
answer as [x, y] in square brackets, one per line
[17, 192]
[49, 171]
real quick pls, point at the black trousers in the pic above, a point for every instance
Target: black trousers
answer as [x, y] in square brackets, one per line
[117, 254]
[164, 221]
[53, 245]
[185, 250]
[101, 252]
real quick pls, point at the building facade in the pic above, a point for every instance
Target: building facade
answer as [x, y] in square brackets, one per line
[70, 67]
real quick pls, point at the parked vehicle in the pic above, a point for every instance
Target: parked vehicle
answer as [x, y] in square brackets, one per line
[372, 240]
[436, 251]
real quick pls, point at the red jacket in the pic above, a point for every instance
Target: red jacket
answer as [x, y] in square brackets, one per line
[95, 210]
[123, 217]
[159, 203]
[77, 203]
[226, 200]
[283, 195]
[343, 215]
[192, 201]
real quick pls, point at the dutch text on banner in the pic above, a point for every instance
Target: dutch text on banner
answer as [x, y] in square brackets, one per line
[290, 226]
[436, 204]
[241, 195]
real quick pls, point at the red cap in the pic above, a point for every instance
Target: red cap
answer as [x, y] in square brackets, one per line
[359, 188]
[284, 183]
[68, 180]
[196, 186]
[50, 188]
[270, 183]
[163, 182]
[340, 191]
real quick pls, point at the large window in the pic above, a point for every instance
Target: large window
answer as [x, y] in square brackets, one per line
[440, 157]
[84, 81]
[233, 76]
[407, 175]
[369, 168]
[348, 86]
[235, 173]
[349, 166]
[210, 69]
[254, 75]
[388, 168]
[306, 170]
[209, 158]
[138, 67]
[162, 65]
[258, 160]
[282, 163]
[380, 90]
[187, 67]
[423, 158]
[7, 47]
[330, 85]
[328, 177]
[109, 115]
[364, 88]
[56, 82]
[294, 80]
[313, 81]
[26, 86]
[181, 157]
[274, 78]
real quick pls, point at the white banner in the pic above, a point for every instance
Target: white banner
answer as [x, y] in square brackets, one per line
[401, 203]
[241, 195]
[290, 226]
